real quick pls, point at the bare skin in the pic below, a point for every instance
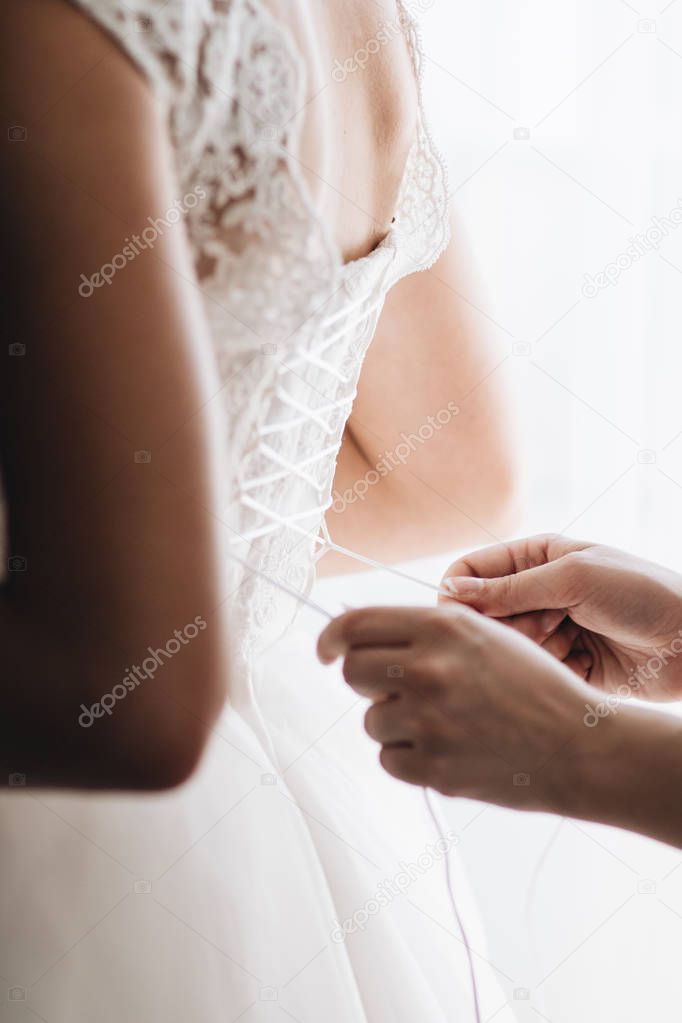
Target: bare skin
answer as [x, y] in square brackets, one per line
[459, 489]
[516, 691]
[119, 553]
[432, 346]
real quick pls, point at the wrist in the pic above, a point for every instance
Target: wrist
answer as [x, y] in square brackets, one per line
[587, 747]
[599, 772]
[627, 772]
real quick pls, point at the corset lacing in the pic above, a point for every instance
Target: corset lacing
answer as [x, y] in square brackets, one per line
[306, 522]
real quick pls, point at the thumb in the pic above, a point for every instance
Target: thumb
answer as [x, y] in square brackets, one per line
[536, 589]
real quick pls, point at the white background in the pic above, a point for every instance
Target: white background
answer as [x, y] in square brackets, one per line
[598, 85]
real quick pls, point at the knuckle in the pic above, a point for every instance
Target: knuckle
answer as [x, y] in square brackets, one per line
[577, 565]
[508, 584]
[446, 624]
[430, 672]
[426, 721]
[539, 544]
[548, 540]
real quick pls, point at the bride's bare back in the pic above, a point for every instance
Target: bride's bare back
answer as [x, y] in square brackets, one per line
[360, 115]
[360, 121]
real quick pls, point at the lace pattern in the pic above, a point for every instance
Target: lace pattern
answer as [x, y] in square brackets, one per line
[290, 323]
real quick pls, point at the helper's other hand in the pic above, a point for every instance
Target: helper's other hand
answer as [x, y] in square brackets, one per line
[614, 619]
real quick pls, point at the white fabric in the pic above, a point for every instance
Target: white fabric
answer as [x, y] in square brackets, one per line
[221, 901]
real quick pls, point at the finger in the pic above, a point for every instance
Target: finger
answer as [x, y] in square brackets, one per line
[388, 722]
[376, 671]
[504, 559]
[510, 579]
[372, 626]
[547, 587]
[560, 643]
[409, 765]
[537, 625]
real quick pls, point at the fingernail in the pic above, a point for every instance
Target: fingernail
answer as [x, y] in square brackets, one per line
[463, 587]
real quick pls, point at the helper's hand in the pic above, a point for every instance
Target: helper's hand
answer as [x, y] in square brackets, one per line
[467, 706]
[614, 619]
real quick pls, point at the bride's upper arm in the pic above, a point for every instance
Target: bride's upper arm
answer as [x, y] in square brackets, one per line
[110, 416]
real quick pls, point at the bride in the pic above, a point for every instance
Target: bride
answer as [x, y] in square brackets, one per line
[213, 207]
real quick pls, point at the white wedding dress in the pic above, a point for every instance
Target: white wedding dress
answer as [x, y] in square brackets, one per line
[226, 900]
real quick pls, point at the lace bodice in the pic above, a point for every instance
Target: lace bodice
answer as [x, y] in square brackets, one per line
[290, 322]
